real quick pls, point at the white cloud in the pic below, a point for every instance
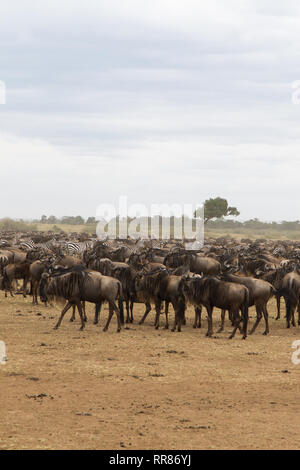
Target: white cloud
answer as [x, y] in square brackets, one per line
[163, 101]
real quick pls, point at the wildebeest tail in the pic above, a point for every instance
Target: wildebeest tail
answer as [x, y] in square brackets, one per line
[120, 291]
[273, 291]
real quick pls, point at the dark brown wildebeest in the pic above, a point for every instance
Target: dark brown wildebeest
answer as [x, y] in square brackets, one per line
[154, 255]
[169, 291]
[290, 290]
[120, 254]
[124, 273]
[146, 285]
[69, 261]
[274, 277]
[88, 286]
[159, 286]
[193, 262]
[6, 257]
[249, 266]
[211, 292]
[260, 292]
[58, 270]
[13, 272]
[18, 255]
[37, 268]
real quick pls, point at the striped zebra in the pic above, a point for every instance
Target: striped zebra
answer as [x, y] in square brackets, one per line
[77, 248]
[28, 245]
[31, 245]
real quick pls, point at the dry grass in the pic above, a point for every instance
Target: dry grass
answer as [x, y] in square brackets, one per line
[246, 233]
[144, 389]
[67, 228]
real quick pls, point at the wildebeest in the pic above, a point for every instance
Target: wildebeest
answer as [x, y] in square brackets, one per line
[123, 272]
[290, 289]
[274, 277]
[211, 292]
[260, 292]
[193, 262]
[146, 284]
[89, 286]
[13, 272]
[159, 286]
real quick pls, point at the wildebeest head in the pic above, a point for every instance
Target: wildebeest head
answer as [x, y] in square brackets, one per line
[149, 280]
[190, 285]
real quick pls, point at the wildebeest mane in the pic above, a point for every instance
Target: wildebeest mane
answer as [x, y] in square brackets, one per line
[65, 286]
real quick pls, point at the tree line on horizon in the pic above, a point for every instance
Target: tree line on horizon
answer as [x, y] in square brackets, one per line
[216, 212]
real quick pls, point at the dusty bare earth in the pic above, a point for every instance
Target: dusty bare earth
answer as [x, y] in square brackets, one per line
[144, 389]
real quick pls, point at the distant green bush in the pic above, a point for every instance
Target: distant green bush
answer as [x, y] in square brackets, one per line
[56, 229]
[16, 225]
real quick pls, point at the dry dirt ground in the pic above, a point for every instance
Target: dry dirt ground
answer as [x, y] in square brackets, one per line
[142, 388]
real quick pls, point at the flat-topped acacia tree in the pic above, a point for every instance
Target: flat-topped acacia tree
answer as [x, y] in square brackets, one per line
[217, 208]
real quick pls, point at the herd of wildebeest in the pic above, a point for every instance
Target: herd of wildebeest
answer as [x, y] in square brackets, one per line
[228, 274]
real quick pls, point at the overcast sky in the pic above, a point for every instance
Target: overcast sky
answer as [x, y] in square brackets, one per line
[164, 101]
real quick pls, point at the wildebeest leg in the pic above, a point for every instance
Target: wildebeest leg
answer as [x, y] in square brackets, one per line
[24, 287]
[131, 309]
[179, 315]
[209, 321]
[34, 293]
[266, 317]
[258, 318]
[84, 312]
[148, 309]
[176, 317]
[65, 309]
[9, 288]
[288, 311]
[97, 312]
[222, 321]
[118, 316]
[129, 313]
[79, 306]
[166, 313]
[293, 315]
[73, 314]
[157, 309]
[112, 308]
[197, 322]
[237, 320]
[278, 307]
[121, 309]
[177, 321]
